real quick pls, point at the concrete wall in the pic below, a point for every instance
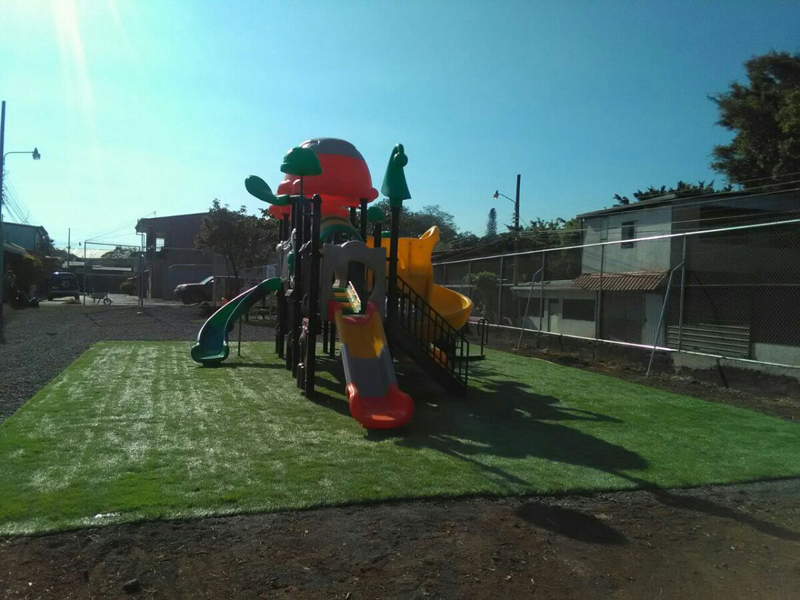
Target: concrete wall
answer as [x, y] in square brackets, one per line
[643, 256]
[178, 233]
[776, 353]
[552, 318]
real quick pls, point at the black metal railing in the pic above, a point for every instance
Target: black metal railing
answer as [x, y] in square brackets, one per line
[434, 340]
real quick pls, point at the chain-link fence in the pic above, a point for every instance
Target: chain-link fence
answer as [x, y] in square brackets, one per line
[731, 292]
[126, 274]
[107, 271]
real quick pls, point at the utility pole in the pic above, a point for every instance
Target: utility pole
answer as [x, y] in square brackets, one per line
[69, 247]
[2, 234]
[516, 206]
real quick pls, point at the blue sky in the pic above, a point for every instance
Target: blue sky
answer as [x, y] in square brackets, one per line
[154, 105]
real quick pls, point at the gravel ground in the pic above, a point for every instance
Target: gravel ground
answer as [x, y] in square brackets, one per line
[40, 343]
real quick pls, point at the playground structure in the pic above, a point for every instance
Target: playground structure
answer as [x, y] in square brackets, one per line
[374, 292]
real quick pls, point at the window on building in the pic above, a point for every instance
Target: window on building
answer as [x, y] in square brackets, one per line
[160, 242]
[580, 310]
[602, 230]
[628, 233]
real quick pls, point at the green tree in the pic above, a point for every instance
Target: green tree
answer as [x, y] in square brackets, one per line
[28, 270]
[764, 114]
[491, 223]
[243, 240]
[119, 252]
[414, 223]
[681, 190]
[485, 295]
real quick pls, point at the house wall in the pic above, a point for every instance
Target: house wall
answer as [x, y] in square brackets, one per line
[553, 314]
[30, 238]
[178, 233]
[646, 256]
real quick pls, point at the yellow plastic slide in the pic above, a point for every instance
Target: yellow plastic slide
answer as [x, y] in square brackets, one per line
[415, 268]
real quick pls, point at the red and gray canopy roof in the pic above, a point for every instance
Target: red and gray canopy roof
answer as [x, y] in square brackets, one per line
[345, 178]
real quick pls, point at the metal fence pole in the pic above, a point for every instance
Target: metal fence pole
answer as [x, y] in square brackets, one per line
[500, 295]
[661, 318]
[683, 296]
[527, 306]
[598, 327]
[84, 272]
[541, 296]
[469, 279]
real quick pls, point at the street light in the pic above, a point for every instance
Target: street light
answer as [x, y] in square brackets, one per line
[497, 194]
[34, 153]
[36, 156]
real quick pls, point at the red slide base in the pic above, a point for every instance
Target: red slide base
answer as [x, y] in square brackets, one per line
[395, 409]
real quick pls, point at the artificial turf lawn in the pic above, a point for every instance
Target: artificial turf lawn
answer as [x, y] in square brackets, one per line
[135, 430]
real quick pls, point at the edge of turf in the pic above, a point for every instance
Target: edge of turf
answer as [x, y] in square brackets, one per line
[137, 517]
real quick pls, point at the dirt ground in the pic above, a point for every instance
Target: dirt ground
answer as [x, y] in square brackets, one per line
[717, 542]
[780, 405]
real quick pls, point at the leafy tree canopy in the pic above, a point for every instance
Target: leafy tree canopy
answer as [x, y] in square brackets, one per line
[491, 223]
[681, 190]
[119, 252]
[764, 114]
[243, 240]
[414, 223]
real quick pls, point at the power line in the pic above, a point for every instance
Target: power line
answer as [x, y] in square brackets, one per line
[528, 234]
[13, 192]
[764, 178]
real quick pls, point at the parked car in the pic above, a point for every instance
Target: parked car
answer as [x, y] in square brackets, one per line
[194, 293]
[62, 284]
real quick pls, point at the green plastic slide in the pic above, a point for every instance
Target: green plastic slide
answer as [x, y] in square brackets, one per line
[212, 341]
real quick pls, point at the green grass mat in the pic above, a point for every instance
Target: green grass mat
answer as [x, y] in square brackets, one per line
[136, 430]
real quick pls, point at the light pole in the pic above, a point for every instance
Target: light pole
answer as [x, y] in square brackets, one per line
[497, 194]
[36, 156]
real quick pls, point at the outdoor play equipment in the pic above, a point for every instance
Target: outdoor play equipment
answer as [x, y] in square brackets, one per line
[212, 341]
[377, 293]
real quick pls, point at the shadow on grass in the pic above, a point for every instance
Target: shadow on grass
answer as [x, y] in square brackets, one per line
[504, 418]
[329, 386]
[248, 365]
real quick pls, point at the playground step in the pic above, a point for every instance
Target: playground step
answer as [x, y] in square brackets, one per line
[427, 338]
[426, 361]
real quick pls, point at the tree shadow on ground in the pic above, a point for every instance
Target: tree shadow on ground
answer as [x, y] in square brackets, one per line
[329, 385]
[248, 365]
[504, 418]
[570, 523]
[684, 501]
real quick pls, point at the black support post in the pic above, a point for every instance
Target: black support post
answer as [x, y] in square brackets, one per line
[363, 222]
[395, 232]
[297, 292]
[280, 321]
[289, 294]
[313, 298]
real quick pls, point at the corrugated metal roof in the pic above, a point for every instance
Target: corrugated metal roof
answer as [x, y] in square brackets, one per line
[12, 248]
[643, 281]
[554, 284]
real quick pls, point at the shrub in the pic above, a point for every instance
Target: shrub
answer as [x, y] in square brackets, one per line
[128, 287]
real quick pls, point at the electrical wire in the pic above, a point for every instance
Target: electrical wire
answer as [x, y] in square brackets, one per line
[12, 192]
